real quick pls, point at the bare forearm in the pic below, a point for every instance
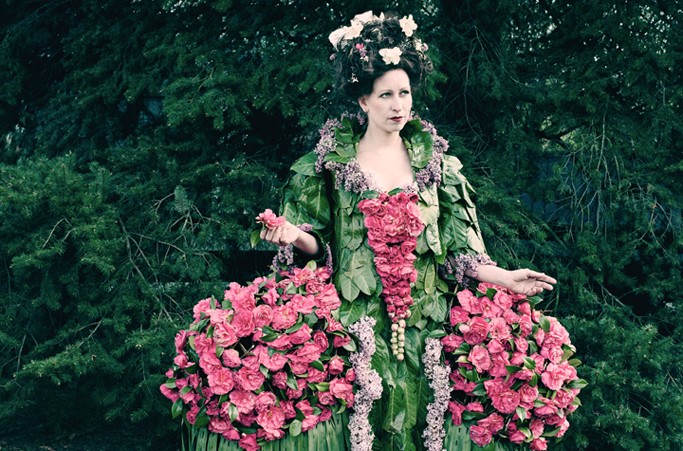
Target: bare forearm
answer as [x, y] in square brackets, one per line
[306, 243]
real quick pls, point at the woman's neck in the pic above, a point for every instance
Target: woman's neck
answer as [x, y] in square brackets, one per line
[375, 141]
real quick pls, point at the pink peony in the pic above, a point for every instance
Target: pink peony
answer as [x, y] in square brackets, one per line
[458, 315]
[202, 306]
[456, 410]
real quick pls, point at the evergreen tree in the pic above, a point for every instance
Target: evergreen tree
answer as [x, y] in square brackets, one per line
[140, 139]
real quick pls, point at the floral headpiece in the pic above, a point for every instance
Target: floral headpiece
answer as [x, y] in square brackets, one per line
[368, 34]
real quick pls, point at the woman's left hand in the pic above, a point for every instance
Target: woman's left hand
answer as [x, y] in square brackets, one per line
[528, 282]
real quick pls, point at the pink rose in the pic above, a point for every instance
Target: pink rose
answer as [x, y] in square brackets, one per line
[308, 353]
[489, 308]
[328, 298]
[302, 304]
[271, 418]
[269, 219]
[528, 395]
[170, 393]
[546, 408]
[192, 414]
[456, 410]
[564, 398]
[320, 340]
[243, 400]
[342, 390]
[288, 409]
[281, 343]
[480, 435]
[309, 422]
[554, 376]
[301, 336]
[553, 354]
[325, 398]
[336, 365]
[241, 298]
[493, 423]
[231, 358]
[284, 317]
[459, 315]
[209, 362]
[340, 342]
[503, 398]
[315, 376]
[325, 414]
[469, 302]
[273, 362]
[243, 323]
[249, 379]
[221, 381]
[500, 329]
[248, 442]
[503, 299]
[515, 435]
[224, 334]
[202, 306]
[279, 380]
[539, 444]
[480, 358]
[263, 315]
[264, 400]
[475, 331]
[451, 342]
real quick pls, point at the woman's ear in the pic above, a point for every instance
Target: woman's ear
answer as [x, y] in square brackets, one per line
[362, 101]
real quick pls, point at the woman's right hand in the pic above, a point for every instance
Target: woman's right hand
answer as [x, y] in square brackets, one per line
[282, 235]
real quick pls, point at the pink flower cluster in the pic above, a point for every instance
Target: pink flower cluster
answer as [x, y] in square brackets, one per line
[269, 219]
[511, 373]
[393, 223]
[270, 359]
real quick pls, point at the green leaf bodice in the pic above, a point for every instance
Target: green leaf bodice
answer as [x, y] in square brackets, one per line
[316, 193]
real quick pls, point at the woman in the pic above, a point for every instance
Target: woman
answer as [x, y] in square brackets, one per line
[367, 174]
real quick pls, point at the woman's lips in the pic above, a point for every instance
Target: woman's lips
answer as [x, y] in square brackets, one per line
[396, 118]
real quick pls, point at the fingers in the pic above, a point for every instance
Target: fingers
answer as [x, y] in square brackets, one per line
[280, 235]
[541, 277]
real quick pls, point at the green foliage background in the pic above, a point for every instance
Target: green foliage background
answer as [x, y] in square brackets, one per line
[140, 139]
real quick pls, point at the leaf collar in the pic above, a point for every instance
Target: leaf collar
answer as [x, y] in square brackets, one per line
[338, 146]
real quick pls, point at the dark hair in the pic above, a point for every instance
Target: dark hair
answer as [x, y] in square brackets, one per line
[358, 62]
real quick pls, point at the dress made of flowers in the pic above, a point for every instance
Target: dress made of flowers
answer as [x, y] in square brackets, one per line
[325, 190]
[272, 366]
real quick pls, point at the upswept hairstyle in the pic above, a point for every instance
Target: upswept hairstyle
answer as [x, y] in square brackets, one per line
[373, 45]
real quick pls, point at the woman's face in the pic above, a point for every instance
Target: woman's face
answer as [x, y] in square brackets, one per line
[389, 104]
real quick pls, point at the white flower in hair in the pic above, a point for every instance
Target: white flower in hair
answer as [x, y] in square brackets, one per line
[391, 56]
[408, 25]
[364, 18]
[337, 35]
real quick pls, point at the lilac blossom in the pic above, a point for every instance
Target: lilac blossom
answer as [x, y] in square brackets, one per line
[438, 375]
[369, 383]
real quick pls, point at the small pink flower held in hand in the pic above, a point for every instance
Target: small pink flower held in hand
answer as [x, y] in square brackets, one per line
[269, 219]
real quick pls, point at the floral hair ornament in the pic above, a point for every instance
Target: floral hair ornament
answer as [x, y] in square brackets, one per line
[391, 56]
[353, 31]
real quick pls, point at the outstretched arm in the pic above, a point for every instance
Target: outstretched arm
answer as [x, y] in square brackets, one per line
[523, 281]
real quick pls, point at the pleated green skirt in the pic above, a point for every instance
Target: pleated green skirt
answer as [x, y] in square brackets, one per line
[330, 435]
